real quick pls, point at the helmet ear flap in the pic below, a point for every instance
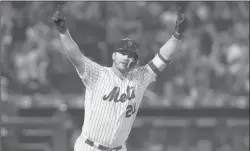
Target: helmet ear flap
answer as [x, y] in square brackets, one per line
[134, 63]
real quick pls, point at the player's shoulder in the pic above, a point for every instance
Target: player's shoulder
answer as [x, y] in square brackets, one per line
[144, 71]
[139, 70]
[106, 70]
[94, 63]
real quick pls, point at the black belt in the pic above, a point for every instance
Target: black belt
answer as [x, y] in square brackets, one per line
[102, 147]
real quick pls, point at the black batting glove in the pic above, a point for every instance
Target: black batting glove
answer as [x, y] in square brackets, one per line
[181, 23]
[59, 20]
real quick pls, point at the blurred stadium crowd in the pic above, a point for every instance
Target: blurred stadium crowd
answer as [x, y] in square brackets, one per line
[211, 68]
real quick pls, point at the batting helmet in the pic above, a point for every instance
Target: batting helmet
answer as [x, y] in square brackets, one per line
[127, 45]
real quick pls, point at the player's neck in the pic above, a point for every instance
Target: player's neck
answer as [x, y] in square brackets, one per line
[118, 73]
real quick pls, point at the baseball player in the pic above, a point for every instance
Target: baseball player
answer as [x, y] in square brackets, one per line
[113, 94]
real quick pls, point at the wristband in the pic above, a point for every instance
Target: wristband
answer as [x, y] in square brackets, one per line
[163, 59]
[62, 31]
[177, 35]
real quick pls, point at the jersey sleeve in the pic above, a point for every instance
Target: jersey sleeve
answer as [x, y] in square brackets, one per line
[150, 71]
[90, 73]
[147, 74]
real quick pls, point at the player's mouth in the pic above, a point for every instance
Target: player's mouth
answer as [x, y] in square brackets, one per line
[124, 63]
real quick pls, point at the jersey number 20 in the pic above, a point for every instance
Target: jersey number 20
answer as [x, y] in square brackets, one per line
[131, 109]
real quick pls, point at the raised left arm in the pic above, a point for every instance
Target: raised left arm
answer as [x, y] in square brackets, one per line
[164, 56]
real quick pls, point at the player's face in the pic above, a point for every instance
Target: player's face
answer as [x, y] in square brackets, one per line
[123, 59]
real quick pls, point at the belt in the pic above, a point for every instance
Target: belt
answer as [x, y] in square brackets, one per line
[102, 147]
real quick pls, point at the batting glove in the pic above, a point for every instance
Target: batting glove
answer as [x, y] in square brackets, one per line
[59, 20]
[181, 23]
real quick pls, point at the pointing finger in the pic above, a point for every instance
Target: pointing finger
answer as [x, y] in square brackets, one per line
[180, 13]
[59, 9]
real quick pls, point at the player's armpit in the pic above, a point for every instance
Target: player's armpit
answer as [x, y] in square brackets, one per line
[73, 52]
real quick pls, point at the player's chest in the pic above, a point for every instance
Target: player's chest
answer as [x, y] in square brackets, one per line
[118, 91]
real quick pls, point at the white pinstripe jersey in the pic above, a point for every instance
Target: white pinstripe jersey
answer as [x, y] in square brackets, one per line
[111, 103]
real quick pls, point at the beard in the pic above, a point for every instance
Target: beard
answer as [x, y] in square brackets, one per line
[123, 68]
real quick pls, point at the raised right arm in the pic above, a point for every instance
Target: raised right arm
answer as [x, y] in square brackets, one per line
[88, 70]
[70, 47]
[72, 51]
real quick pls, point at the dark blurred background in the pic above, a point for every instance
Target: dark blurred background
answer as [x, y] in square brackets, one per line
[199, 103]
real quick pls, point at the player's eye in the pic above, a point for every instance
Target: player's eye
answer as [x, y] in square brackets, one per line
[129, 54]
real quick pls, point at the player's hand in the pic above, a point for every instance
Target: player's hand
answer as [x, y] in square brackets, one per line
[60, 20]
[181, 21]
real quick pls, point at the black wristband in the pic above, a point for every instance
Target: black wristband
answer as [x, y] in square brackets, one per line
[62, 31]
[163, 59]
[177, 35]
[154, 68]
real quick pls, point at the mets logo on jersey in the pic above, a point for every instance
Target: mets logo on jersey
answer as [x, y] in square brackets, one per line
[115, 96]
